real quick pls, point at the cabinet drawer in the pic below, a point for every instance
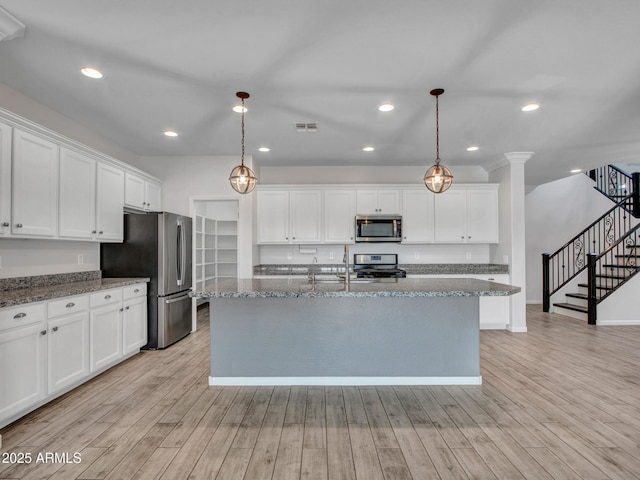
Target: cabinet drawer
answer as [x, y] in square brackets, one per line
[21, 316]
[105, 297]
[67, 305]
[132, 291]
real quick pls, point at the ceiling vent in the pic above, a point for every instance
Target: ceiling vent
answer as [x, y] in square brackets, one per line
[307, 127]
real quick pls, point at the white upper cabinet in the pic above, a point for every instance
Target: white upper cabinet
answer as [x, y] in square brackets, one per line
[417, 216]
[34, 186]
[378, 202]
[273, 216]
[339, 216]
[467, 215]
[289, 216]
[142, 194]
[5, 179]
[77, 195]
[110, 203]
[306, 216]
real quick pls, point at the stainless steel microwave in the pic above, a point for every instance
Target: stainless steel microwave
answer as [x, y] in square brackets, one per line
[378, 228]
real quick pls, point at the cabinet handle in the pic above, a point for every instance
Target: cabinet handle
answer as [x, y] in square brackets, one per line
[100, 232]
[136, 290]
[351, 238]
[18, 225]
[20, 315]
[491, 279]
[93, 232]
[122, 309]
[43, 332]
[55, 329]
[462, 237]
[107, 297]
[469, 236]
[5, 224]
[70, 305]
[293, 238]
[126, 308]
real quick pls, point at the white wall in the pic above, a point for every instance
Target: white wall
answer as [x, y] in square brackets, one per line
[361, 174]
[24, 106]
[555, 213]
[186, 178]
[23, 258]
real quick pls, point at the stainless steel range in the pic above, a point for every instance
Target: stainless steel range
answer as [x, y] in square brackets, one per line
[377, 266]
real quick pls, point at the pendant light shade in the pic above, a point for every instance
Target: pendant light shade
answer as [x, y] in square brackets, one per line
[242, 178]
[438, 178]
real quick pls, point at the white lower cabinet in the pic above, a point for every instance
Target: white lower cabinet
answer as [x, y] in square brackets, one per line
[105, 337]
[68, 350]
[23, 347]
[50, 347]
[134, 320]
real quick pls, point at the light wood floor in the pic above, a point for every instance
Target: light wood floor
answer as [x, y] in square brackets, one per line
[561, 401]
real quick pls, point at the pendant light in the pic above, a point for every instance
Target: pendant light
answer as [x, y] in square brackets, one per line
[438, 178]
[242, 178]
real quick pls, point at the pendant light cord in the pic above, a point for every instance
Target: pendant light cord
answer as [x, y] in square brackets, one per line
[242, 157]
[437, 133]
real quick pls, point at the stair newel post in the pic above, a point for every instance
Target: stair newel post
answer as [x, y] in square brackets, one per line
[635, 185]
[592, 259]
[592, 174]
[546, 296]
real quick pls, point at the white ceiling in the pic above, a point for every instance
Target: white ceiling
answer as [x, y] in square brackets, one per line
[177, 65]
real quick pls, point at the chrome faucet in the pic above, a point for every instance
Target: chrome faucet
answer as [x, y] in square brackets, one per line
[312, 272]
[345, 259]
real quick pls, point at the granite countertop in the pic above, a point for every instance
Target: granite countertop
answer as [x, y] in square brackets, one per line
[410, 268]
[401, 287]
[20, 296]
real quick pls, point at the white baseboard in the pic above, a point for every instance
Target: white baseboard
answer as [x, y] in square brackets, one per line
[617, 322]
[343, 381]
[517, 329]
[493, 326]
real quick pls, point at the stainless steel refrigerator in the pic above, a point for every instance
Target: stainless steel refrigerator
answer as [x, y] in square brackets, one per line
[158, 246]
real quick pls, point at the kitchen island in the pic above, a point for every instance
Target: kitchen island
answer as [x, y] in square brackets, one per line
[398, 331]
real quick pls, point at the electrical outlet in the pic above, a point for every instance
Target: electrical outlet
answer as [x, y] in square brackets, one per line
[331, 256]
[289, 255]
[416, 255]
[468, 255]
[80, 259]
[505, 259]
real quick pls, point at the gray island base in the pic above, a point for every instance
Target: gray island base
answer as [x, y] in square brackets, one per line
[287, 332]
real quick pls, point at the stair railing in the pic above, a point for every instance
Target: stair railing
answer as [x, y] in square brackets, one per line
[610, 269]
[569, 260]
[617, 184]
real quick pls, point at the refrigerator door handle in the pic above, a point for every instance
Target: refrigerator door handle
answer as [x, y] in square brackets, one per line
[180, 254]
[174, 300]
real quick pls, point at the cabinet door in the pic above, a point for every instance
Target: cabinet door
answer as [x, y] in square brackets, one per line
[109, 203]
[482, 215]
[389, 202]
[367, 202]
[306, 216]
[77, 195]
[35, 185]
[273, 216]
[133, 191]
[68, 350]
[153, 197]
[417, 216]
[134, 324]
[105, 336]
[450, 216]
[339, 216]
[5, 179]
[22, 369]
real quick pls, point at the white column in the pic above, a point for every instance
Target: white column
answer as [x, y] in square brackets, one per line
[509, 173]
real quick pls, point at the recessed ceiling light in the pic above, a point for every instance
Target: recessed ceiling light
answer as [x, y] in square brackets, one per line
[386, 107]
[240, 109]
[530, 107]
[576, 170]
[368, 149]
[171, 133]
[473, 148]
[91, 72]
[264, 149]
